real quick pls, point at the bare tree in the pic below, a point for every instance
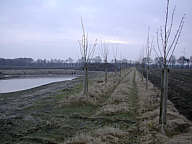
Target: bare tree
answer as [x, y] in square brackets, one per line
[105, 53]
[87, 52]
[169, 41]
[149, 48]
[141, 62]
[120, 65]
[115, 59]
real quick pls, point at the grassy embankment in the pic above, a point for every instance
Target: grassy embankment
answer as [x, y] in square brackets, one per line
[109, 108]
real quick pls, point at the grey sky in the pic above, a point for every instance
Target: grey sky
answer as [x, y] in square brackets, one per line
[51, 28]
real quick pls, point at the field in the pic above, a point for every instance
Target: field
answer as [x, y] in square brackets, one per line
[180, 88]
[119, 111]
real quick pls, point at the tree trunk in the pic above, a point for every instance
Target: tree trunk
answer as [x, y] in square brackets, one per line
[85, 91]
[142, 73]
[120, 71]
[105, 72]
[164, 97]
[147, 77]
[115, 71]
[115, 67]
[161, 98]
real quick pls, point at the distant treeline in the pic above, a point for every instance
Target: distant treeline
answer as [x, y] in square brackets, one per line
[40, 63]
[29, 63]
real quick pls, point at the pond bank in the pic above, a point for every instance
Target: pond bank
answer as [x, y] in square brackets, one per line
[28, 82]
[17, 73]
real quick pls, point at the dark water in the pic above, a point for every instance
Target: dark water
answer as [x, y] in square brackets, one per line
[17, 84]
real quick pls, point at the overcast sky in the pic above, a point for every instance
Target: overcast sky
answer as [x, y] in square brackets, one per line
[51, 28]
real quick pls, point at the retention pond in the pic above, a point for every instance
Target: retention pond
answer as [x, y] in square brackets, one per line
[28, 82]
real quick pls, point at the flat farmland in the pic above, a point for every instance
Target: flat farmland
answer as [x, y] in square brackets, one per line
[180, 88]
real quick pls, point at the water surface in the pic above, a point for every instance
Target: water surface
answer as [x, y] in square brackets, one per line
[17, 84]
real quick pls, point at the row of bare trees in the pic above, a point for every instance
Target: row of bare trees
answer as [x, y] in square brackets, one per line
[166, 42]
[87, 51]
[149, 47]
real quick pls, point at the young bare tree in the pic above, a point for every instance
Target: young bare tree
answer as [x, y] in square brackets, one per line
[120, 65]
[141, 61]
[115, 59]
[87, 52]
[169, 41]
[149, 48]
[105, 53]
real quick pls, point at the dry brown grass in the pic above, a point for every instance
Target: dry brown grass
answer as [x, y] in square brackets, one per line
[116, 102]
[106, 135]
[178, 130]
[98, 92]
[113, 108]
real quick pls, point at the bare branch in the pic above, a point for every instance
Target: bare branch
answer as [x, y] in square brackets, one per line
[166, 20]
[92, 50]
[177, 39]
[177, 36]
[101, 48]
[161, 34]
[115, 52]
[80, 46]
[147, 47]
[151, 47]
[82, 27]
[171, 25]
[158, 44]
[165, 32]
[86, 46]
[156, 53]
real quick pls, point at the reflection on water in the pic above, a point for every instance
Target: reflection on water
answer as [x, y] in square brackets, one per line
[17, 84]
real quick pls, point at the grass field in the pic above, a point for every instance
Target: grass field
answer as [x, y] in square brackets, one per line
[120, 111]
